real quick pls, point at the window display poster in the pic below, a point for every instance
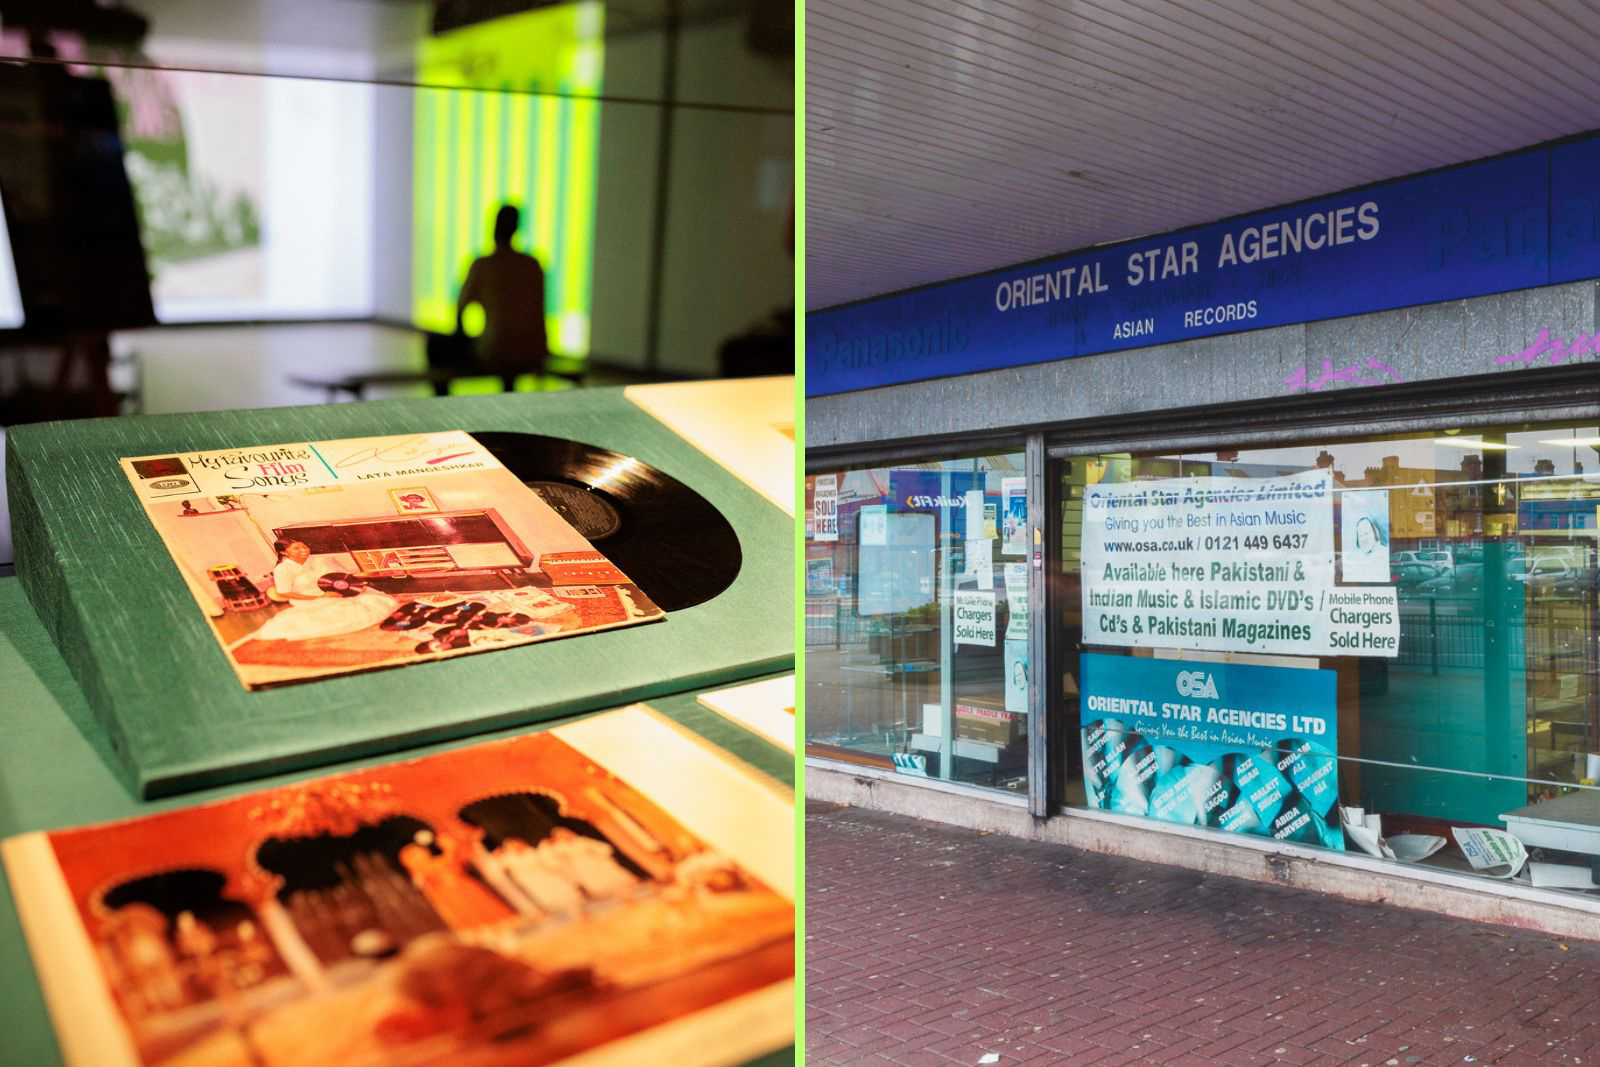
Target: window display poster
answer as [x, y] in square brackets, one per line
[825, 508]
[1364, 536]
[1225, 564]
[972, 505]
[1244, 748]
[1016, 674]
[1014, 494]
[974, 619]
[819, 577]
[1016, 600]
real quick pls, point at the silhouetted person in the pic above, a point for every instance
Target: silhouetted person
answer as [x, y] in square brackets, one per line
[509, 286]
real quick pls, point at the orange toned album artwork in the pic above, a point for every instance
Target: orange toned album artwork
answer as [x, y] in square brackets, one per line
[327, 557]
[508, 903]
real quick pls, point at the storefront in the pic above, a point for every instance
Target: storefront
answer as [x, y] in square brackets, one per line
[1281, 530]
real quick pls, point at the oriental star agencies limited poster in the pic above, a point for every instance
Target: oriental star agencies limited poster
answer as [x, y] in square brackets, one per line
[1226, 565]
[1245, 748]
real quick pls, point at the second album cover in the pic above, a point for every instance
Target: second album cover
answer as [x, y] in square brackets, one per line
[614, 889]
[321, 558]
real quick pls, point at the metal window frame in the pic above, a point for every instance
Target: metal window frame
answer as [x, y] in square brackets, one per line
[955, 447]
[1543, 395]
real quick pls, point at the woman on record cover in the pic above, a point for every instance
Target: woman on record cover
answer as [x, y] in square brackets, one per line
[314, 612]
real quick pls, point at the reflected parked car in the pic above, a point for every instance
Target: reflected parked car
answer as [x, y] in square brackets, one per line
[1412, 575]
[1588, 580]
[1550, 575]
[1440, 557]
[1464, 580]
[1544, 576]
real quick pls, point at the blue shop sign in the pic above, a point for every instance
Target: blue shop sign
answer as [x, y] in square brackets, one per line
[1513, 222]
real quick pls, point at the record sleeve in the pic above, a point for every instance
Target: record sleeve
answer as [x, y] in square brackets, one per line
[321, 558]
[610, 891]
[167, 704]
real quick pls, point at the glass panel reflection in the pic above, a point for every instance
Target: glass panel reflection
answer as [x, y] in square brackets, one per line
[1490, 704]
[917, 619]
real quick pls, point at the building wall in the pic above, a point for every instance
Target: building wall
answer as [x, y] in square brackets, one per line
[394, 139]
[725, 264]
[1428, 343]
[625, 199]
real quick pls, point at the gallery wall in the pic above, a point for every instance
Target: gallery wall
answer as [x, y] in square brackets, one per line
[269, 198]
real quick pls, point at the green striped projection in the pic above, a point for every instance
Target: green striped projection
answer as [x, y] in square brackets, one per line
[530, 142]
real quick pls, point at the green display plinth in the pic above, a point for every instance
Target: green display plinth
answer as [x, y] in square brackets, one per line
[173, 713]
[56, 770]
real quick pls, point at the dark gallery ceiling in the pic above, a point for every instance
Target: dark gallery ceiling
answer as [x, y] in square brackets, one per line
[364, 40]
[944, 139]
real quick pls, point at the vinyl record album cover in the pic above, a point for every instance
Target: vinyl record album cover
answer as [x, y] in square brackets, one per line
[612, 891]
[316, 559]
[161, 689]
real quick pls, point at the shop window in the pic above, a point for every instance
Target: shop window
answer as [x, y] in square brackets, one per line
[917, 619]
[1400, 631]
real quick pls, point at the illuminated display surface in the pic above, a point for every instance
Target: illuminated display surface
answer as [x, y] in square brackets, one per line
[477, 149]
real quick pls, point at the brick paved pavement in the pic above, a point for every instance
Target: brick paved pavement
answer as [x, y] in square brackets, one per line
[931, 945]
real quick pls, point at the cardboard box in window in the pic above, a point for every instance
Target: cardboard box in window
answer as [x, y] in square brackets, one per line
[986, 720]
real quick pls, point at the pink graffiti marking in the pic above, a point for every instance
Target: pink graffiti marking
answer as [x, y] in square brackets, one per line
[1355, 374]
[1557, 350]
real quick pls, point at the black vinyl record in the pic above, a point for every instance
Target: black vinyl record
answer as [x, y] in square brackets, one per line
[339, 583]
[665, 536]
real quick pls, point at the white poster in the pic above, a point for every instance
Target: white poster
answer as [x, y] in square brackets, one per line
[1014, 497]
[1494, 852]
[980, 561]
[1225, 564]
[1364, 536]
[825, 508]
[974, 617]
[1016, 675]
[972, 507]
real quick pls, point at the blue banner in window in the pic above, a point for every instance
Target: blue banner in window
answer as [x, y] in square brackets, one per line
[1527, 219]
[1244, 748]
[925, 490]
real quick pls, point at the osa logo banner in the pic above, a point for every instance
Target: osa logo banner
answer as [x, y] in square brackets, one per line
[1196, 684]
